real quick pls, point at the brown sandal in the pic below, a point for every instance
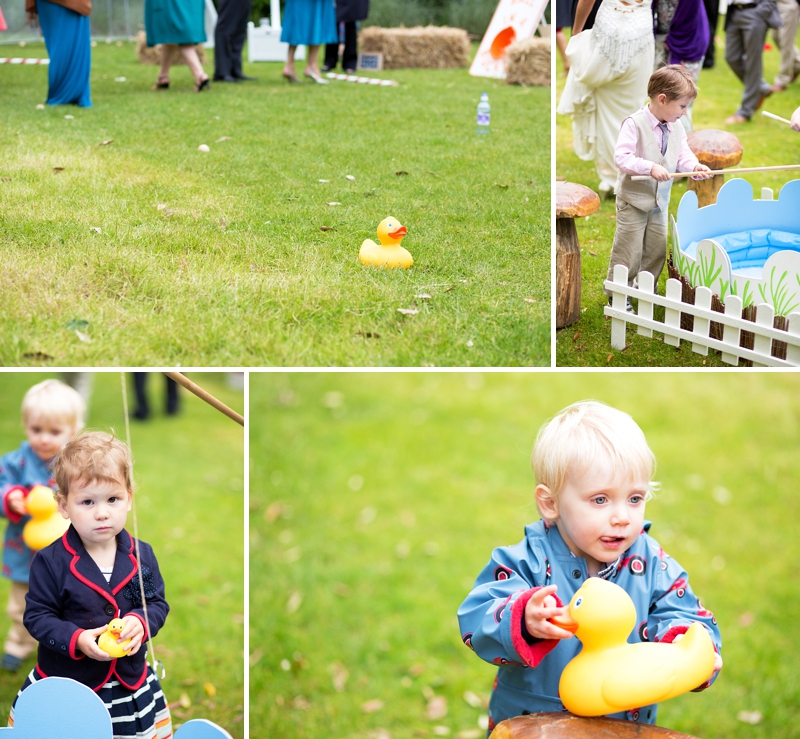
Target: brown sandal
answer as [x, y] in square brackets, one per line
[162, 83]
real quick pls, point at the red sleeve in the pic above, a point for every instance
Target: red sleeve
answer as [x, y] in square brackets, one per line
[531, 654]
[670, 637]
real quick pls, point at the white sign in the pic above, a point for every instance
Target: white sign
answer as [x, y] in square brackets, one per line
[513, 20]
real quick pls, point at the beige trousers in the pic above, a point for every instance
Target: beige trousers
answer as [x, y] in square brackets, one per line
[784, 39]
[19, 643]
[640, 241]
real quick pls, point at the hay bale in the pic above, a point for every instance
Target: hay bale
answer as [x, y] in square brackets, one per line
[152, 54]
[529, 62]
[433, 47]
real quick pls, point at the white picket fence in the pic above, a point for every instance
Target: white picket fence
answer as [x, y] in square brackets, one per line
[699, 337]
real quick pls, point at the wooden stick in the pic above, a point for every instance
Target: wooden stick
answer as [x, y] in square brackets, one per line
[722, 171]
[204, 395]
[775, 117]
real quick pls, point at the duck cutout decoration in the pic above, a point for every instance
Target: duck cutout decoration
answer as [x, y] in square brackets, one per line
[46, 524]
[388, 253]
[107, 641]
[609, 675]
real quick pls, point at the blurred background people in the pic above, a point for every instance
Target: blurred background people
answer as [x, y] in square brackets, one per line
[309, 23]
[348, 12]
[229, 38]
[142, 410]
[67, 36]
[177, 23]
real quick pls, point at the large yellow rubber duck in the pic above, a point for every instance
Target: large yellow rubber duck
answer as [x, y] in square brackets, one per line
[388, 253]
[609, 675]
[46, 524]
[107, 641]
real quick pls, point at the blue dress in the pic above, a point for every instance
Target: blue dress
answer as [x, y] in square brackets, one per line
[174, 22]
[309, 23]
[67, 36]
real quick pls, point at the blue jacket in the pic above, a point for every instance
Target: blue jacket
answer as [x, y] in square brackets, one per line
[68, 594]
[19, 470]
[491, 617]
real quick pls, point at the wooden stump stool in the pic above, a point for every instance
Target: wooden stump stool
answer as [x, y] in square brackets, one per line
[572, 201]
[717, 150]
[568, 726]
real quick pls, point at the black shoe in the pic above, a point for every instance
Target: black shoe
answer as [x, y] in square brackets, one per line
[244, 78]
[225, 78]
[708, 63]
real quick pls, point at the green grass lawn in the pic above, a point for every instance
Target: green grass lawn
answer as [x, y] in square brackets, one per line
[159, 254]
[376, 500]
[765, 142]
[189, 501]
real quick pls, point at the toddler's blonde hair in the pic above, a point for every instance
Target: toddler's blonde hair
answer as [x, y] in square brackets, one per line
[93, 456]
[53, 400]
[575, 438]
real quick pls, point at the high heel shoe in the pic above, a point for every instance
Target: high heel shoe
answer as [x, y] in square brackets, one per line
[162, 83]
[290, 77]
[203, 85]
[314, 76]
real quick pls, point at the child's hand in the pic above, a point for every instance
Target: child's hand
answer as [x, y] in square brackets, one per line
[702, 168]
[796, 120]
[659, 173]
[539, 609]
[134, 631]
[16, 502]
[87, 643]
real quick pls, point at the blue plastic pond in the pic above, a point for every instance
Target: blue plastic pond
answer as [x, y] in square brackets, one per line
[742, 246]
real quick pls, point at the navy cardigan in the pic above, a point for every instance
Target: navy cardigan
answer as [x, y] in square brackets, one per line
[68, 594]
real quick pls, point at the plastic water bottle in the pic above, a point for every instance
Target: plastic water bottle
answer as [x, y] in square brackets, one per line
[484, 114]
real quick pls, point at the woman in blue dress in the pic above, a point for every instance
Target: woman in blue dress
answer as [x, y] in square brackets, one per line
[178, 23]
[67, 36]
[309, 23]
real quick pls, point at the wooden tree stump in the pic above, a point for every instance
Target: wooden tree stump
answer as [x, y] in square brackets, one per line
[572, 201]
[568, 726]
[717, 150]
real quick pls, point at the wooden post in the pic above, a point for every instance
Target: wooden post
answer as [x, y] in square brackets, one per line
[572, 201]
[568, 726]
[717, 150]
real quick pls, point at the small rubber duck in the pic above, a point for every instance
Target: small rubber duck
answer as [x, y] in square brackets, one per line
[609, 675]
[46, 524]
[107, 641]
[388, 253]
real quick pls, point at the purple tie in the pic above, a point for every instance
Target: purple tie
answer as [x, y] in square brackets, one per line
[664, 137]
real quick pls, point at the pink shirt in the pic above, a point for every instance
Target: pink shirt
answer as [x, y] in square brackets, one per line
[625, 151]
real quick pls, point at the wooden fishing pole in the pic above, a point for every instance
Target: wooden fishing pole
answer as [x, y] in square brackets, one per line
[741, 170]
[206, 396]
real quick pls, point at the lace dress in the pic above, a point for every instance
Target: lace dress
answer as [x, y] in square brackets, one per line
[610, 65]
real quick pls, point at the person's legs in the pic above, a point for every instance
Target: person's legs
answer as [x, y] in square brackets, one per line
[238, 35]
[561, 45]
[350, 56]
[19, 643]
[628, 240]
[140, 385]
[784, 39]
[288, 68]
[654, 247]
[222, 40]
[312, 65]
[755, 86]
[189, 54]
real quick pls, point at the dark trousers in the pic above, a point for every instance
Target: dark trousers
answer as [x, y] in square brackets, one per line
[229, 37]
[350, 56]
[712, 12]
[142, 406]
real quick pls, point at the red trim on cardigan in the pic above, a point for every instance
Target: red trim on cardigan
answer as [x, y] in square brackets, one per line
[73, 644]
[531, 654]
[9, 514]
[138, 683]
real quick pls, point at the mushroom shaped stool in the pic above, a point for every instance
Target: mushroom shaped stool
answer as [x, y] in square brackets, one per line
[717, 150]
[566, 726]
[572, 201]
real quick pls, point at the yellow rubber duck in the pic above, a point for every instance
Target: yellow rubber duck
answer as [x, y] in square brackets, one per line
[107, 641]
[46, 524]
[388, 253]
[609, 675]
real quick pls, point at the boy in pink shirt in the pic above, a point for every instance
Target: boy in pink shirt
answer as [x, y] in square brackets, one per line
[651, 142]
